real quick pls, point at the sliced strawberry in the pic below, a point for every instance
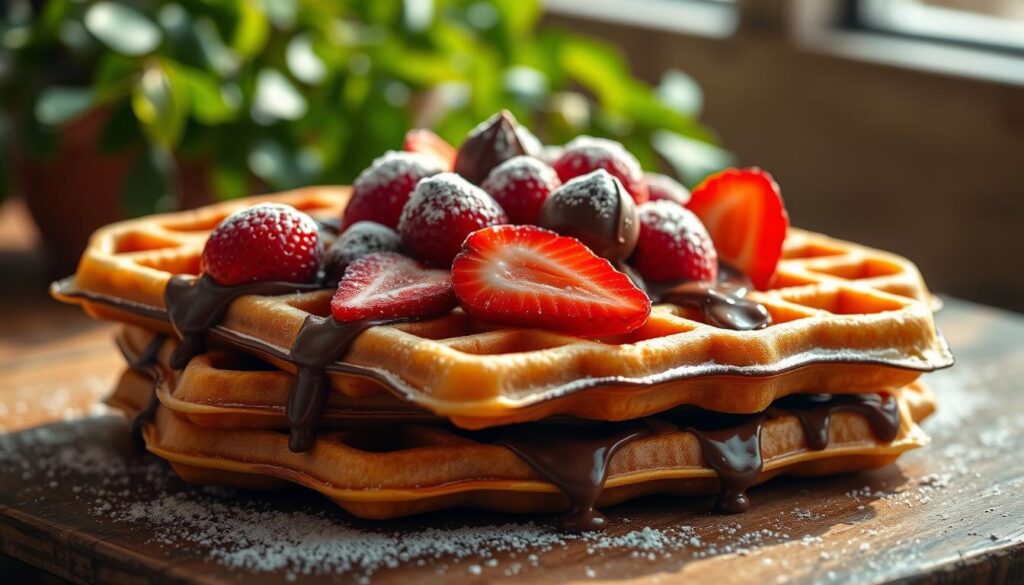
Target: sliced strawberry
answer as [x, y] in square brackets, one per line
[426, 142]
[743, 211]
[531, 277]
[386, 285]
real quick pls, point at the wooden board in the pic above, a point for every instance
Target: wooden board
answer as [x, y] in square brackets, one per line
[79, 501]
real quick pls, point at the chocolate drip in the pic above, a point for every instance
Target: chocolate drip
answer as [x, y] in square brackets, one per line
[815, 410]
[144, 363]
[731, 443]
[723, 303]
[576, 462]
[320, 341]
[194, 305]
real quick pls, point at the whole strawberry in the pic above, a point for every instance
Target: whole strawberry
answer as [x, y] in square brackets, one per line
[673, 245]
[585, 154]
[661, 186]
[265, 242]
[441, 212]
[381, 191]
[521, 185]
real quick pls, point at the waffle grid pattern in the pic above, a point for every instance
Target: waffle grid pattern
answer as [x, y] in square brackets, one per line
[845, 318]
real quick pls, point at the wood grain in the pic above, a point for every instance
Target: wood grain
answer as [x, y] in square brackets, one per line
[948, 513]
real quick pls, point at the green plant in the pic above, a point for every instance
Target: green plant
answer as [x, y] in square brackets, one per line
[282, 93]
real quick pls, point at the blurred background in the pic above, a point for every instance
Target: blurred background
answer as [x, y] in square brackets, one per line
[897, 123]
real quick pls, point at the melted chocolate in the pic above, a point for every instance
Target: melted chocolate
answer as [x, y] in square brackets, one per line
[320, 341]
[576, 462]
[194, 305]
[723, 303]
[145, 363]
[731, 443]
[596, 210]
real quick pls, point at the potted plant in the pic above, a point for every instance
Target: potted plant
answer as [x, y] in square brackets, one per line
[117, 109]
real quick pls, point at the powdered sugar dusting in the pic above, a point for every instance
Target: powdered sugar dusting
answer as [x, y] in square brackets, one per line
[674, 221]
[598, 190]
[589, 152]
[394, 164]
[439, 198]
[518, 169]
[360, 239]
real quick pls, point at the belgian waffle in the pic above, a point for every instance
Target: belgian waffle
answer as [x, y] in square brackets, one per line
[397, 470]
[846, 318]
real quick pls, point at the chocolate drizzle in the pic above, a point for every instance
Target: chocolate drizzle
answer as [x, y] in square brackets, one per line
[194, 305]
[576, 458]
[575, 461]
[320, 341]
[723, 304]
[144, 363]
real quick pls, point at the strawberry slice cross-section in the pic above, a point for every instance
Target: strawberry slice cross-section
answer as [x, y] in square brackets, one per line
[387, 285]
[742, 209]
[527, 276]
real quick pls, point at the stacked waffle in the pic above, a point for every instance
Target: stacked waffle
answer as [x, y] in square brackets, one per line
[451, 403]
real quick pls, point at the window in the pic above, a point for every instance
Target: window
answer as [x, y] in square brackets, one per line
[986, 24]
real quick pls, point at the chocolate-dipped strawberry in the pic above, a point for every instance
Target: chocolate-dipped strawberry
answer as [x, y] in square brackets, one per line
[494, 141]
[597, 210]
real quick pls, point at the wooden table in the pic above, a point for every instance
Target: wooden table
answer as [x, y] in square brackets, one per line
[79, 501]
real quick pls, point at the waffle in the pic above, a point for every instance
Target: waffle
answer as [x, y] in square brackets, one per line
[400, 470]
[846, 318]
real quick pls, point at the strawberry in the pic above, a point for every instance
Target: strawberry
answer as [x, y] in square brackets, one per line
[360, 239]
[381, 191]
[585, 154]
[270, 241]
[520, 185]
[528, 276]
[661, 186]
[673, 245]
[426, 142]
[386, 285]
[743, 211]
[442, 211]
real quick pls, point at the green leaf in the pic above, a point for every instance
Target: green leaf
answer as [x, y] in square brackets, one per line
[597, 67]
[206, 99]
[57, 105]
[149, 185]
[680, 92]
[121, 130]
[160, 102]
[276, 98]
[253, 29]
[229, 177]
[123, 29]
[115, 75]
[303, 61]
[691, 159]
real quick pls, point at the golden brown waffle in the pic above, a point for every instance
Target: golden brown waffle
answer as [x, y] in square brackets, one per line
[845, 319]
[412, 468]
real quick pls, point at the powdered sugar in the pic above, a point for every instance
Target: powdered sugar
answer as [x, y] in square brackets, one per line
[395, 164]
[588, 152]
[598, 190]
[360, 239]
[439, 198]
[519, 169]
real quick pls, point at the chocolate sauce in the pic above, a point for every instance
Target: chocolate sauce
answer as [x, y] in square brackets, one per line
[145, 363]
[194, 305]
[814, 412]
[731, 443]
[574, 460]
[723, 303]
[320, 341]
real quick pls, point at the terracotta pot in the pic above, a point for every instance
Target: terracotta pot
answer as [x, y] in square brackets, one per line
[79, 188]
